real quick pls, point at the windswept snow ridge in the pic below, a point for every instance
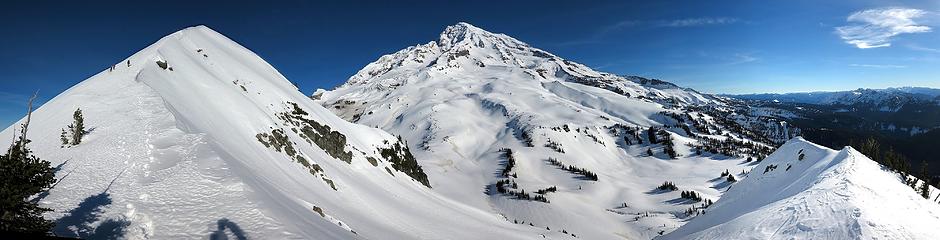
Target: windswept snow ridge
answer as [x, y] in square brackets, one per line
[197, 136]
[806, 191]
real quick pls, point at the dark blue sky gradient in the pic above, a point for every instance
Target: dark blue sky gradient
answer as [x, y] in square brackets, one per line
[749, 46]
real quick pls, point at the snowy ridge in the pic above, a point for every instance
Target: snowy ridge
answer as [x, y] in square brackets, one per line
[196, 135]
[806, 191]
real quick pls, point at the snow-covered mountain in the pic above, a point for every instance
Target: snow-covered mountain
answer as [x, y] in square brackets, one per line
[889, 99]
[806, 191]
[490, 117]
[197, 136]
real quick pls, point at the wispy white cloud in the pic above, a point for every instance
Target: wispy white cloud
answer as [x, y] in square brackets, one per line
[923, 49]
[673, 23]
[13, 98]
[877, 66]
[740, 58]
[17, 102]
[684, 22]
[694, 22]
[13, 107]
[874, 28]
[712, 60]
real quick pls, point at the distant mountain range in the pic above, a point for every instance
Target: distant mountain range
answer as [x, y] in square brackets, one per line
[905, 119]
[889, 99]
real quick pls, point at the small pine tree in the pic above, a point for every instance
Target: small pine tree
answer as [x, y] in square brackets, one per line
[77, 127]
[649, 151]
[64, 137]
[731, 178]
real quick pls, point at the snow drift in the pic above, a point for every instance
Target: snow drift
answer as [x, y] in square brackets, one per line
[806, 191]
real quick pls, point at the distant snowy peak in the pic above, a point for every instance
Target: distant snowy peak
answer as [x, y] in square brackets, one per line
[806, 191]
[466, 48]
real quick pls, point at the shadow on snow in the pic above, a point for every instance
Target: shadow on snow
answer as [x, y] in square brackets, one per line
[79, 221]
[219, 233]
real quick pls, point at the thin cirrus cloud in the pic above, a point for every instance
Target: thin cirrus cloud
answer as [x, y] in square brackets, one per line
[874, 28]
[674, 23]
[685, 22]
[877, 66]
[923, 49]
[693, 22]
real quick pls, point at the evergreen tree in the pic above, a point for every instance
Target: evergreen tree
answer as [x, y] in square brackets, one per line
[872, 149]
[667, 186]
[896, 161]
[23, 175]
[651, 134]
[77, 127]
[668, 144]
[649, 151]
[925, 177]
[64, 137]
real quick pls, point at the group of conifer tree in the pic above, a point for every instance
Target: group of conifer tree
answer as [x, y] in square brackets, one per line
[898, 163]
[660, 136]
[22, 176]
[75, 131]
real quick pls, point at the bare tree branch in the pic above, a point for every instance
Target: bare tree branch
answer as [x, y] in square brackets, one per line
[29, 115]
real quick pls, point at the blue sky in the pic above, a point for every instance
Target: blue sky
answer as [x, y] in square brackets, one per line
[712, 46]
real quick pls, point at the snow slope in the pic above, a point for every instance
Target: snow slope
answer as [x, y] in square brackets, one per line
[461, 100]
[196, 136]
[827, 195]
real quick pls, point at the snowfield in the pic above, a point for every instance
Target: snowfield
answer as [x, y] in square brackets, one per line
[827, 195]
